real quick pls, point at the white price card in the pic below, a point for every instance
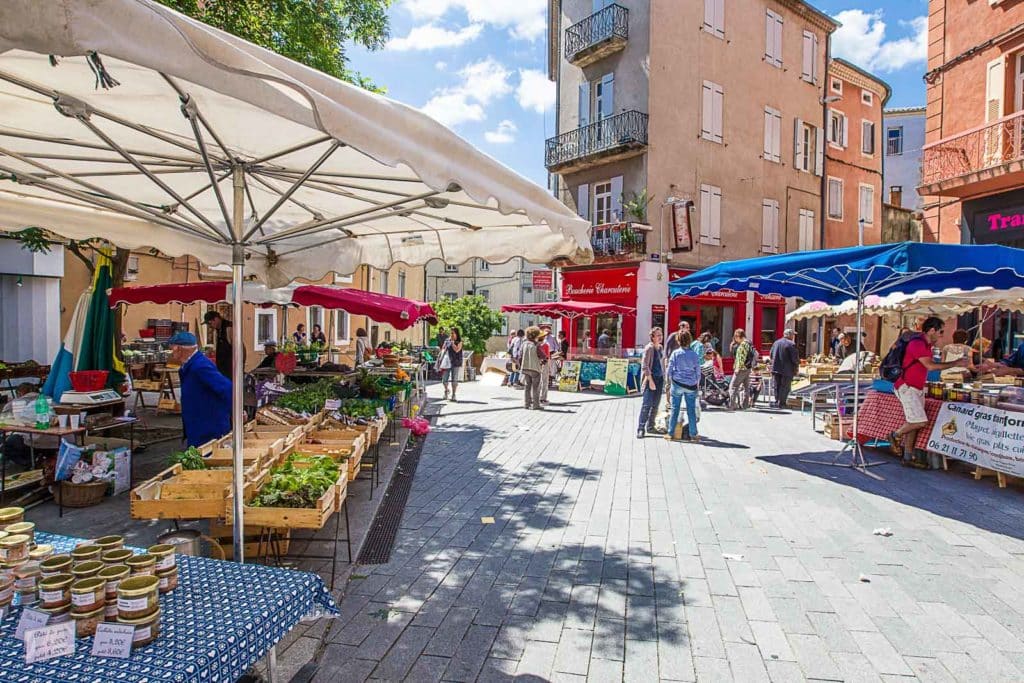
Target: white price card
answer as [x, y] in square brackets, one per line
[113, 640]
[332, 404]
[30, 619]
[48, 642]
[380, 411]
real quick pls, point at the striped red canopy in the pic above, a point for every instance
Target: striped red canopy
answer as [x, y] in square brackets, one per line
[399, 312]
[569, 309]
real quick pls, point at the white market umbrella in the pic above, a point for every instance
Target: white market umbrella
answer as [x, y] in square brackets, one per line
[150, 129]
[945, 303]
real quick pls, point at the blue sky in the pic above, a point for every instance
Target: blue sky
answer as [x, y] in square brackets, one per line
[479, 65]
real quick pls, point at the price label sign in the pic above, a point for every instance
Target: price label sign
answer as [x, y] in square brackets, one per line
[380, 411]
[30, 619]
[48, 642]
[113, 640]
[333, 404]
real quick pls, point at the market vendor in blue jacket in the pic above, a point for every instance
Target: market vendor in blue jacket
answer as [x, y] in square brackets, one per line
[205, 393]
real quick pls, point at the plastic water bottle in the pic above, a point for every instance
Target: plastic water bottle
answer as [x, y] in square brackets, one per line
[42, 410]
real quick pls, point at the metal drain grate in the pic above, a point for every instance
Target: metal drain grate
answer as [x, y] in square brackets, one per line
[381, 538]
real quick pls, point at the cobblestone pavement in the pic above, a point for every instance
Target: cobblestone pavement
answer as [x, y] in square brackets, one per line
[611, 558]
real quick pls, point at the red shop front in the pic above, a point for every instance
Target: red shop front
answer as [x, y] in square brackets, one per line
[721, 313]
[602, 285]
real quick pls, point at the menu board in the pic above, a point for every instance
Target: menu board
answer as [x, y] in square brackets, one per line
[616, 377]
[569, 376]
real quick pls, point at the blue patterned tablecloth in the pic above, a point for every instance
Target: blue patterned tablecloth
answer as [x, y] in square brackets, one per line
[221, 619]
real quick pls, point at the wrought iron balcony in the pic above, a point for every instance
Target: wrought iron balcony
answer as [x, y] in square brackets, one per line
[989, 157]
[597, 36]
[611, 138]
[619, 241]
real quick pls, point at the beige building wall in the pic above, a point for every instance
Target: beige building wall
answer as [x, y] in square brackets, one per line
[683, 57]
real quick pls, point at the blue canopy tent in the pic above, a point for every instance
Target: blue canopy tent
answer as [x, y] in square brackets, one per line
[835, 275]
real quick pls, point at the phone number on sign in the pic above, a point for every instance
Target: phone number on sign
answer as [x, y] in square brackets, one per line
[952, 451]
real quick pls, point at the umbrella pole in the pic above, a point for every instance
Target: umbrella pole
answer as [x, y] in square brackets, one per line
[857, 460]
[237, 368]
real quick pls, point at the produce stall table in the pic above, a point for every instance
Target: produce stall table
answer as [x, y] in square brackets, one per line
[882, 413]
[221, 619]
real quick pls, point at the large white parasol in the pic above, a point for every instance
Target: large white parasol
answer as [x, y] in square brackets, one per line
[125, 120]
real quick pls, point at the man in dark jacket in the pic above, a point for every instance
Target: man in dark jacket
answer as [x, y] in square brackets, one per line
[222, 332]
[205, 393]
[785, 360]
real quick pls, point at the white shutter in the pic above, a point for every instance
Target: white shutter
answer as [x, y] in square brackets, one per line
[773, 38]
[716, 215]
[807, 69]
[617, 199]
[583, 201]
[806, 230]
[772, 134]
[867, 204]
[717, 101]
[798, 143]
[584, 105]
[769, 226]
[705, 213]
[845, 142]
[720, 18]
[819, 151]
[768, 117]
[814, 57]
[714, 17]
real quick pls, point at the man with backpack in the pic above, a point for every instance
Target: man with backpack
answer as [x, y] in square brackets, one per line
[907, 365]
[745, 357]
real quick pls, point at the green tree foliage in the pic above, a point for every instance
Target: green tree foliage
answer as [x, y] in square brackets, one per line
[472, 316]
[313, 32]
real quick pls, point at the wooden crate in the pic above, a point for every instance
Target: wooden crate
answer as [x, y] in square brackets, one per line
[337, 451]
[292, 518]
[224, 534]
[177, 493]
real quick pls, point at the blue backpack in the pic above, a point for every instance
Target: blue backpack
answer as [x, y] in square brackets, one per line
[893, 367]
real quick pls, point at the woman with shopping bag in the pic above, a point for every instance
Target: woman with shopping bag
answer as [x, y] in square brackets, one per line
[449, 363]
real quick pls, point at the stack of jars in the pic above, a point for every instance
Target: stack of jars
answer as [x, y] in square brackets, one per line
[19, 558]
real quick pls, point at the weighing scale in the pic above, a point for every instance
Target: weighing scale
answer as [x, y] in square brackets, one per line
[89, 398]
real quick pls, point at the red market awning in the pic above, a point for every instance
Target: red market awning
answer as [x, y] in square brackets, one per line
[396, 311]
[569, 309]
[399, 312]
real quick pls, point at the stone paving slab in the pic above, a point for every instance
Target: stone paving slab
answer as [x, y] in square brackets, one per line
[615, 559]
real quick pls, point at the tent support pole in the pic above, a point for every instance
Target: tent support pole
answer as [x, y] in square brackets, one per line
[857, 460]
[237, 361]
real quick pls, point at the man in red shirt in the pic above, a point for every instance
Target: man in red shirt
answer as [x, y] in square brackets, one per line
[917, 362]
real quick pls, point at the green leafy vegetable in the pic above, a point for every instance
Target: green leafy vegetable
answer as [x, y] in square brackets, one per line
[298, 483]
[189, 459]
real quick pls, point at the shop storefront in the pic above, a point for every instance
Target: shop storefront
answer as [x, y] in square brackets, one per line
[720, 313]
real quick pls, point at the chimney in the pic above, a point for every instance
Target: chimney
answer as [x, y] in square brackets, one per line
[896, 195]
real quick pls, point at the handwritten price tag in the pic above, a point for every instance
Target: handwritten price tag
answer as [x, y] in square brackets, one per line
[380, 411]
[49, 642]
[113, 640]
[333, 404]
[30, 619]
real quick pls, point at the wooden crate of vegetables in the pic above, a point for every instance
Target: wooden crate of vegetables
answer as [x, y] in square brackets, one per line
[300, 493]
[357, 439]
[258, 452]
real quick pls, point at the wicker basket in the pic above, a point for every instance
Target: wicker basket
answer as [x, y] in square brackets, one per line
[80, 495]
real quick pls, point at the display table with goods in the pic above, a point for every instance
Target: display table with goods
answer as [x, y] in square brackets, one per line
[98, 611]
[981, 424]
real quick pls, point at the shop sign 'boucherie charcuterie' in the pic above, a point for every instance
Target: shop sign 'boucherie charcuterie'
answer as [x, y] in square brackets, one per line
[987, 437]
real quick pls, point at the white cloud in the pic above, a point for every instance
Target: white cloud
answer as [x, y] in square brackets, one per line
[535, 91]
[432, 36]
[482, 83]
[524, 19]
[504, 134]
[862, 40]
[440, 66]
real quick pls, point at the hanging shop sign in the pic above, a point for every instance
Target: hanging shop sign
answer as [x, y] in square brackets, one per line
[681, 230]
[998, 218]
[543, 280]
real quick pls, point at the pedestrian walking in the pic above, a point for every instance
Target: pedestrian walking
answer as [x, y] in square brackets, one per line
[450, 363]
[745, 360]
[652, 379]
[516, 351]
[684, 375]
[785, 361]
[531, 369]
[362, 353]
[914, 351]
[544, 354]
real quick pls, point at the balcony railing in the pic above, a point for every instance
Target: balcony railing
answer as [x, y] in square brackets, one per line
[619, 133]
[602, 33]
[984, 151]
[618, 239]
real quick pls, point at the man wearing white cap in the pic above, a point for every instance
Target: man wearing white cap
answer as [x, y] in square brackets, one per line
[785, 361]
[205, 393]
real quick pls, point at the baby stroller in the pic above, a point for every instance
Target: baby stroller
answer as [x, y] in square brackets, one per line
[713, 391]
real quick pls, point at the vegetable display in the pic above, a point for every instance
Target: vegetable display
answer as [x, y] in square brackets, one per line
[298, 483]
[189, 459]
[309, 398]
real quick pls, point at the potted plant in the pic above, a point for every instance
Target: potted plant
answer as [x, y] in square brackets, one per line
[636, 206]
